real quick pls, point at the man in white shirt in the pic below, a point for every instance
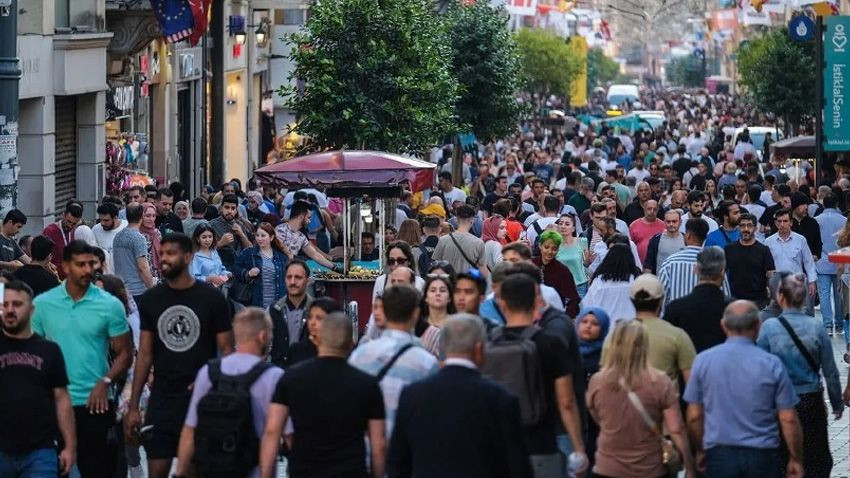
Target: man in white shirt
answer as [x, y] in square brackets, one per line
[451, 193]
[696, 205]
[535, 227]
[108, 226]
[791, 253]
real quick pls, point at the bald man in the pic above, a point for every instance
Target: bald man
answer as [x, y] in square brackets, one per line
[402, 275]
[252, 328]
[642, 230]
[334, 405]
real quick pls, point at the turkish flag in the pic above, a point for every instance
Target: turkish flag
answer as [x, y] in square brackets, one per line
[200, 12]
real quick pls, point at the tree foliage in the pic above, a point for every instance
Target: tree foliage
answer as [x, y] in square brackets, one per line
[550, 65]
[486, 65]
[600, 68]
[779, 75]
[687, 71]
[374, 74]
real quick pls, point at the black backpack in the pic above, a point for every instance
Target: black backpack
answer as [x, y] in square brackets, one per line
[514, 363]
[226, 443]
[424, 259]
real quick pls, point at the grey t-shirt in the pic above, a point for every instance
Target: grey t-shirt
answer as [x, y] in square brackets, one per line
[9, 249]
[668, 246]
[127, 247]
[446, 250]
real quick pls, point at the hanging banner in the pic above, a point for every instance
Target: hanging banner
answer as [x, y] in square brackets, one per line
[836, 60]
[578, 89]
[527, 8]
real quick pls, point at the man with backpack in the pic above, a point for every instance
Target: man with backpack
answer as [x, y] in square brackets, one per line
[460, 248]
[230, 398]
[422, 252]
[396, 358]
[184, 323]
[536, 366]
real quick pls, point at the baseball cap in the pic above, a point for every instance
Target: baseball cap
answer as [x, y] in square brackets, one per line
[646, 287]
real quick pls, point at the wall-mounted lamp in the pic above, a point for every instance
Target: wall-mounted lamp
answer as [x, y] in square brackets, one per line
[239, 38]
[231, 96]
[262, 32]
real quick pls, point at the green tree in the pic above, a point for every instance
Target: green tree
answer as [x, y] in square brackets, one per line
[375, 73]
[600, 69]
[779, 75]
[487, 67]
[550, 65]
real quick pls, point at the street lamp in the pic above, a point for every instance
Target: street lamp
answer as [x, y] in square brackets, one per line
[239, 38]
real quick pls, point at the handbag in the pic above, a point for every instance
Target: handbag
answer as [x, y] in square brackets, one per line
[242, 289]
[670, 455]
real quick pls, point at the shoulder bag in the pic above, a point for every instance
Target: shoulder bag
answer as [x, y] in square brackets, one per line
[802, 348]
[242, 289]
[671, 457]
[465, 257]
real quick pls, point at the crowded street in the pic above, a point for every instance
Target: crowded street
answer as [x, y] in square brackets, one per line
[418, 238]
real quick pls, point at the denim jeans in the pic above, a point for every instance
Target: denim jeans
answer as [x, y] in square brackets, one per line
[40, 463]
[743, 462]
[828, 292]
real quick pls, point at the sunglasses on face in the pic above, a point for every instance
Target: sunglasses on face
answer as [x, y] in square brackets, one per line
[393, 261]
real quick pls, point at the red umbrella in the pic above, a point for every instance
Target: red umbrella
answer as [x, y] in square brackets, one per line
[340, 169]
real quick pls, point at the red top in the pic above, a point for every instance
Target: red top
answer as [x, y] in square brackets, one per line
[60, 238]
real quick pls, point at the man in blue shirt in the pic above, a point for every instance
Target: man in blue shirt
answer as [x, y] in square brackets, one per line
[733, 409]
[831, 222]
[728, 213]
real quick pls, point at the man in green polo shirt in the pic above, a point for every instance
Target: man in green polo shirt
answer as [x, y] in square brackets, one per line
[86, 322]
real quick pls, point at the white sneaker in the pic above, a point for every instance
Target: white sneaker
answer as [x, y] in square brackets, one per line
[136, 472]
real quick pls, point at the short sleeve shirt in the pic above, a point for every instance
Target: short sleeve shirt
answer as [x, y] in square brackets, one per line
[9, 249]
[184, 324]
[82, 329]
[127, 247]
[294, 240]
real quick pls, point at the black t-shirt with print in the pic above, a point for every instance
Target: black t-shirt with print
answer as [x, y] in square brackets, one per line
[184, 324]
[30, 370]
[556, 362]
[9, 249]
[330, 403]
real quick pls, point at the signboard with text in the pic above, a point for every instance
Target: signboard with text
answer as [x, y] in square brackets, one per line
[836, 60]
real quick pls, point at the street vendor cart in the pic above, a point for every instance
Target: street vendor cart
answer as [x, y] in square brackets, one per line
[367, 182]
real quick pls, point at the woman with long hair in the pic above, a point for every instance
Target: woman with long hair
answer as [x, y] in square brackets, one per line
[263, 265]
[713, 195]
[609, 289]
[152, 237]
[206, 264]
[573, 251]
[805, 365]
[437, 306]
[627, 446]
[410, 232]
[494, 234]
[398, 254]
[555, 274]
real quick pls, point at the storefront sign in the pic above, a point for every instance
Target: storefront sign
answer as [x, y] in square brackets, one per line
[836, 56]
[190, 63]
[119, 102]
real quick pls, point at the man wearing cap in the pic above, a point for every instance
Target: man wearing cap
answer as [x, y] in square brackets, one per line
[670, 348]
[804, 225]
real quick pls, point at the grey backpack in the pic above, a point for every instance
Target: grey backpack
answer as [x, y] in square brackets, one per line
[514, 363]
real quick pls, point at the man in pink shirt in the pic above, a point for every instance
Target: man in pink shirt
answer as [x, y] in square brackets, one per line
[644, 228]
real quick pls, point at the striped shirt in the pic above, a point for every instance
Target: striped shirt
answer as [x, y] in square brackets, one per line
[678, 276]
[413, 365]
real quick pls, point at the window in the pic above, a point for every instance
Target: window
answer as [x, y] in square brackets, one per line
[62, 14]
[290, 16]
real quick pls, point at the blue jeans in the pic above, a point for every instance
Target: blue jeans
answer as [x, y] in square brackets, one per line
[828, 292]
[743, 462]
[40, 463]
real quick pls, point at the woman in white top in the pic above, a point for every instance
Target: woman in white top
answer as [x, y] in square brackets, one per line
[609, 288]
[494, 233]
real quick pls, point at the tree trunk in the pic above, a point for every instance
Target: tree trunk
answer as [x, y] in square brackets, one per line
[457, 163]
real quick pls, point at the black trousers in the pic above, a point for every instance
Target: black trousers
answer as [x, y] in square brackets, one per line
[96, 445]
[817, 460]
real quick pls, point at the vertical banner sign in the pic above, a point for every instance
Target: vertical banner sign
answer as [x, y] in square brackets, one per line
[836, 59]
[578, 90]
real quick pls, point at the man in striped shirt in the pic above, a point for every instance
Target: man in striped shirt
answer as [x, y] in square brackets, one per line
[397, 355]
[677, 274]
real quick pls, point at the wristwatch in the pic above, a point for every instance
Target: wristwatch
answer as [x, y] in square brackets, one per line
[106, 380]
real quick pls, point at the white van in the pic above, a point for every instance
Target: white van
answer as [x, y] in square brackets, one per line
[618, 94]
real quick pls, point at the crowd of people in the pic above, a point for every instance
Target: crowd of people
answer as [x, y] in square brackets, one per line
[591, 302]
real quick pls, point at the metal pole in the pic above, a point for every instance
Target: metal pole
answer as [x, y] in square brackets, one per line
[10, 76]
[818, 98]
[249, 91]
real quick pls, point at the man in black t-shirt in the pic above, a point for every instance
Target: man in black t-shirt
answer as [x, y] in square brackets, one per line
[749, 264]
[35, 408]
[184, 324]
[38, 273]
[518, 301]
[332, 405]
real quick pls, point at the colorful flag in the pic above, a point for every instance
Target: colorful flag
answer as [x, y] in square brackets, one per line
[175, 19]
[200, 14]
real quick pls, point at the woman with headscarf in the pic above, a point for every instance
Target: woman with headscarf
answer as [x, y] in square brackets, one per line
[494, 234]
[592, 324]
[182, 209]
[152, 237]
